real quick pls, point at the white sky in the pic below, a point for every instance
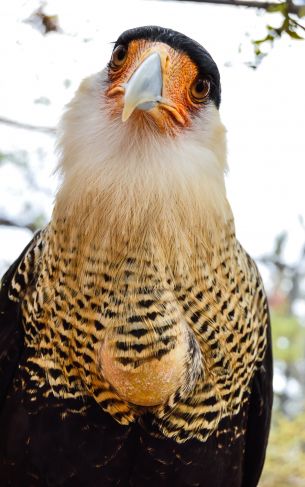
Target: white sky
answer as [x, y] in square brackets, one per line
[263, 109]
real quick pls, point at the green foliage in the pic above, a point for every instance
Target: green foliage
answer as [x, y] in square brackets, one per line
[285, 461]
[38, 222]
[288, 337]
[289, 26]
[19, 158]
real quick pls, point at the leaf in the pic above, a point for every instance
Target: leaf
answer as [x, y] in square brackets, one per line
[294, 35]
[269, 37]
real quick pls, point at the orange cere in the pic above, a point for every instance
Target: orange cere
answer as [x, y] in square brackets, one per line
[178, 72]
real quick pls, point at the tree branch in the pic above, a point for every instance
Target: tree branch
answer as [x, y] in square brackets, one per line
[27, 126]
[10, 223]
[291, 7]
[297, 24]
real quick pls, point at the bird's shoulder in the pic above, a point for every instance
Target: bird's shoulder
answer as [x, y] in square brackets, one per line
[14, 284]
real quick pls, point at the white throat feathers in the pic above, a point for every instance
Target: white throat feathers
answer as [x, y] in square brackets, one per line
[123, 186]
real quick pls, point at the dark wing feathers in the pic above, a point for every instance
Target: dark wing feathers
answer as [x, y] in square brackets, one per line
[259, 418]
[11, 332]
[52, 445]
[11, 335]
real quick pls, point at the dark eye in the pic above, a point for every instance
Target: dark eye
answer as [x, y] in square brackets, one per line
[119, 56]
[200, 89]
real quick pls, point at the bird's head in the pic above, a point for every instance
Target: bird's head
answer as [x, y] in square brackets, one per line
[161, 79]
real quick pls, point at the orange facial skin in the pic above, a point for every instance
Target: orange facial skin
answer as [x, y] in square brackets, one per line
[179, 73]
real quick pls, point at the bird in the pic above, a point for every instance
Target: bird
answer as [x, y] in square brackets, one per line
[135, 339]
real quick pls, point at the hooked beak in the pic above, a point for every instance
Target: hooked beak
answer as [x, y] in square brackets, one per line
[144, 88]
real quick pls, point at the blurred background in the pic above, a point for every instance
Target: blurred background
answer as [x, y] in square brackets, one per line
[46, 48]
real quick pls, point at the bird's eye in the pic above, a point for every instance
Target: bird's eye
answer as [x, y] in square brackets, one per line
[200, 89]
[119, 56]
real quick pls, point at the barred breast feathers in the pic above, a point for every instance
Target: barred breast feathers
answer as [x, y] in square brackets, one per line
[141, 254]
[124, 186]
